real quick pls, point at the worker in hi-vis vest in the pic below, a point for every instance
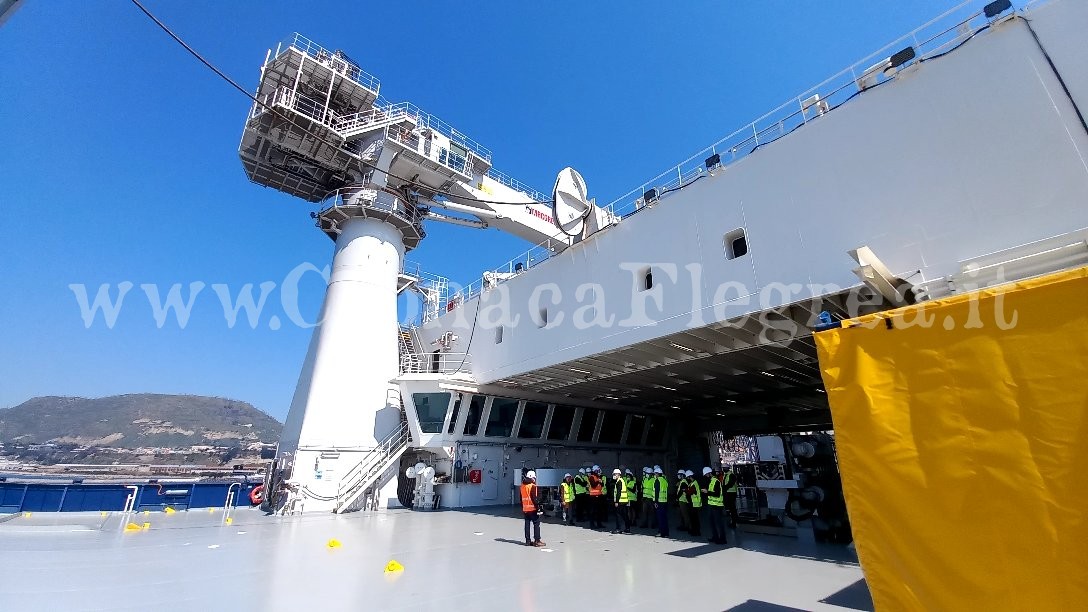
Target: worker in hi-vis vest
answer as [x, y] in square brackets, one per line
[530, 508]
[629, 480]
[695, 507]
[649, 514]
[715, 505]
[730, 484]
[681, 497]
[581, 492]
[596, 498]
[566, 496]
[620, 502]
[661, 501]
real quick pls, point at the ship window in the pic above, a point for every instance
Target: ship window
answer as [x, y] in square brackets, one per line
[532, 420]
[736, 244]
[634, 431]
[456, 411]
[500, 423]
[612, 427]
[589, 423]
[562, 419]
[475, 413]
[647, 279]
[498, 335]
[431, 410]
[655, 434]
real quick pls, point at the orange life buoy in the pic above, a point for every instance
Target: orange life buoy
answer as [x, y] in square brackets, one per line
[256, 496]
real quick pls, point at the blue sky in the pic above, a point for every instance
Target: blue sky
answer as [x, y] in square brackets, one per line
[119, 151]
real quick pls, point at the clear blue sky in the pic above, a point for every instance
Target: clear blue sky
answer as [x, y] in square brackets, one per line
[118, 151]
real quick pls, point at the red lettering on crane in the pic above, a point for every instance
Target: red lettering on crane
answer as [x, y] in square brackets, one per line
[539, 215]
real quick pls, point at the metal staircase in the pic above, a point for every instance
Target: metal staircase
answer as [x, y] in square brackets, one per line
[409, 357]
[370, 469]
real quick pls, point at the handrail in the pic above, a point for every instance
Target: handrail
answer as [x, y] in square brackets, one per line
[516, 185]
[372, 198]
[386, 447]
[335, 60]
[446, 363]
[929, 40]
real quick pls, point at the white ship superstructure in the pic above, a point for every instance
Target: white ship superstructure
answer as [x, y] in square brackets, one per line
[953, 159]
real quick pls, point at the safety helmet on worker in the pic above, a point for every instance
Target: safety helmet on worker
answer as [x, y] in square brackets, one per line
[689, 473]
[657, 469]
[616, 472]
[596, 468]
[567, 475]
[647, 470]
[679, 472]
[628, 471]
[531, 474]
[706, 471]
[581, 470]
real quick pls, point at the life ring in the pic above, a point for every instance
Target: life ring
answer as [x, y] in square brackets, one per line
[256, 496]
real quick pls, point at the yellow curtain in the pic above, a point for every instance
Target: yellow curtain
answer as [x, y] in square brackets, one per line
[962, 433]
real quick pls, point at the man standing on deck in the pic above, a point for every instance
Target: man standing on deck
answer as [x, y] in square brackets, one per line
[620, 502]
[715, 505]
[566, 496]
[695, 497]
[649, 515]
[661, 502]
[730, 485]
[596, 498]
[629, 480]
[581, 492]
[682, 503]
[530, 508]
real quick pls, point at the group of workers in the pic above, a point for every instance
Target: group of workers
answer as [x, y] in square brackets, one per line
[644, 501]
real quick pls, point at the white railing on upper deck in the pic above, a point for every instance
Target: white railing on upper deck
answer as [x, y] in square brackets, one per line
[934, 38]
[516, 185]
[335, 60]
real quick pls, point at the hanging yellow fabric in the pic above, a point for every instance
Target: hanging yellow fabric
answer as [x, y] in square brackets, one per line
[962, 433]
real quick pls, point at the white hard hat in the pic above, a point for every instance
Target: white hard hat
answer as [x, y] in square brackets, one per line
[657, 469]
[530, 474]
[616, 472]
[596, 468]
[567, 475]
[706, 471]
[581, 470]
[689, 473]
[628, 471]
[646, 470]
[679, 472]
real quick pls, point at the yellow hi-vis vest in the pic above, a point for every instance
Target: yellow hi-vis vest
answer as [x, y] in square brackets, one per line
[714, 494]
[619, 494]
[581, 484]
[682, 491]
[567, 490]
[648, 487]
[663, 491]
[732, 486]
[630, 482]
[696, 494]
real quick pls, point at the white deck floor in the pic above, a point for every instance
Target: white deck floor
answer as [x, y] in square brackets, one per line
[453, 560]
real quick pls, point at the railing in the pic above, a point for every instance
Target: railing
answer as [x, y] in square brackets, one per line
[517, 185]
[928, 41]
[377, 115]
[299, 103]
[373, 199]
[371, 466]
[434, 288]
[438, 363]
[335, 60]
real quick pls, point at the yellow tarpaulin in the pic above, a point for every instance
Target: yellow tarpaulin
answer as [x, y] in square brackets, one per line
[962, 432]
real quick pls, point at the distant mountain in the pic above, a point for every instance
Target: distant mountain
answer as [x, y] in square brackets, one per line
[131, 421]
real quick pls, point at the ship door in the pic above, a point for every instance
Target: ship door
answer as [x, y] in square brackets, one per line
[490, 488]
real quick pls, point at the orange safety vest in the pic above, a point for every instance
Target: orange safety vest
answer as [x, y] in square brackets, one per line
[596, 486]
[527, 504]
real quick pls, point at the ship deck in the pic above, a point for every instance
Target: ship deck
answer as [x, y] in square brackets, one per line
[452, 560]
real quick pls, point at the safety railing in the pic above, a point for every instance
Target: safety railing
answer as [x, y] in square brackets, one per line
[334, 60]
[372, 199]
[433, 288]
[516, 185]
[929, 41]
[438, 363]
[363, 474]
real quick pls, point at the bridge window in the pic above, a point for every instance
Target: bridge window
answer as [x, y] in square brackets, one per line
[589, 424]
[612, 427]
[475, 413]
[532, 420]
[562, 419]
[431, 410]
[736, 244]
[500, 423]
[634, 431]
[456, 411]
